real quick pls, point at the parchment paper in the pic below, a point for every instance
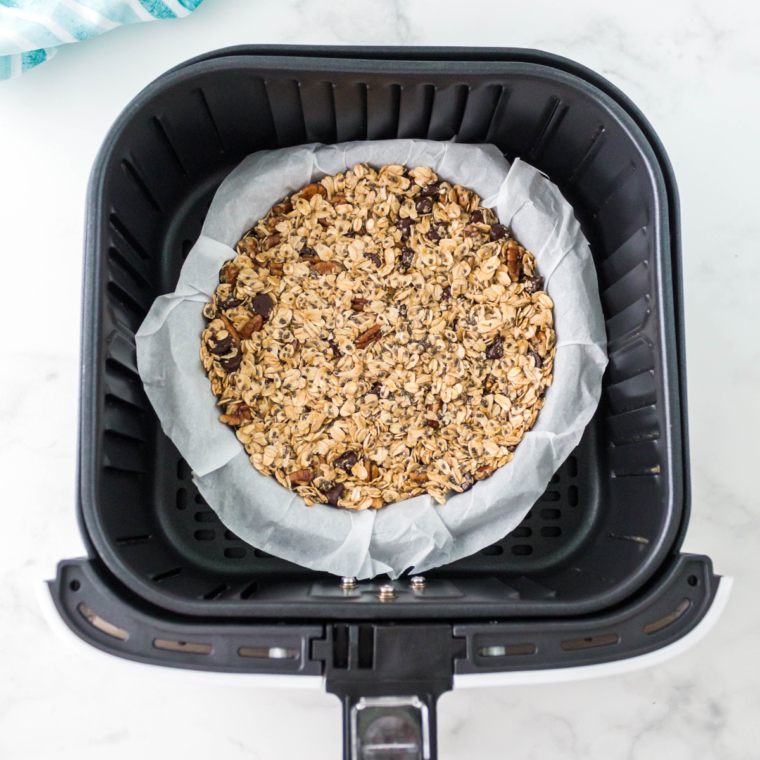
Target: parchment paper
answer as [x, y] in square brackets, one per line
[417, 533]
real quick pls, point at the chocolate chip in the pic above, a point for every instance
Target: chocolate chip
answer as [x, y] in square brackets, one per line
[532, 284]
[334, 346]
[334, 494]
[446, 293]
[220, 347]
[496, 349]
[373, 257]
[433, 235]
[424, 206]
[347, 461]
[536, 359]
[407, 257]
[467, 483]
[232, 362]
[263, 304]
[476, 217]
[231, 303]
[307, 252]
[405, 225]
[497, 232]
[431, 191]
[377, 389]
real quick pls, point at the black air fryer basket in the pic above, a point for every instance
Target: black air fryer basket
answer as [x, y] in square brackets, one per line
[593, 575]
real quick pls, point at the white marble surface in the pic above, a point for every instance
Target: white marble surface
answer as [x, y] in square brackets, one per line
[694, 69]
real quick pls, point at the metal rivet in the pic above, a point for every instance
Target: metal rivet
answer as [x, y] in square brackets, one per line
[387, 593]
[418, 582]
[348, 583]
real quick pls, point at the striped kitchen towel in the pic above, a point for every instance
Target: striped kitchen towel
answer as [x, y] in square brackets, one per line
[32, 30]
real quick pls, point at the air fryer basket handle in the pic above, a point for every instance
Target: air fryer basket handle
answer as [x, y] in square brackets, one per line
[389, 728]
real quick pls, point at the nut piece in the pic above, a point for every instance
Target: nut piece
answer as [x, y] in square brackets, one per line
[325, 267]
[514, 260]
[231, 330]
[282, 208]
[358, 304]
[251, 326]
[301, 476]
[369, 336]
[229, 274]
[311, 190]
[271, 241]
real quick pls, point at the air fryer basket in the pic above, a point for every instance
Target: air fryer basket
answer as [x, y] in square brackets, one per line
[601, 543]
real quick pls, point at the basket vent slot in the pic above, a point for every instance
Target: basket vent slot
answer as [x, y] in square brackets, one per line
[190, 647]
[589, 642]
[102, 625]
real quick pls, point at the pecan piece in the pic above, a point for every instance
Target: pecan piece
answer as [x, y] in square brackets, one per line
[275, 269]
[514, 260]
[358, 304]
[338, 199]
[251, 326]
[374, 471]
[419, 477]
[377, 502]
[272, 241]
[436, 406]
[483, 472]
[229, 274]
[308, 254]
[311, 190]
[325, 267]
[325, 222]
[230, 329]
[230, 419]
[248, 246]
[369, 336]
[301, 476]
[282, 208]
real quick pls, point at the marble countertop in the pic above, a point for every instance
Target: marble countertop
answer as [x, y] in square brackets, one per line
[694, 70]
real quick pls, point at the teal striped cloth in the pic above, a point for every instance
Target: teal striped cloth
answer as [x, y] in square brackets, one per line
[31, 31]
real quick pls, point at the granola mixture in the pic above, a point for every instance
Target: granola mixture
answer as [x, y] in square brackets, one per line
[379, 335]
